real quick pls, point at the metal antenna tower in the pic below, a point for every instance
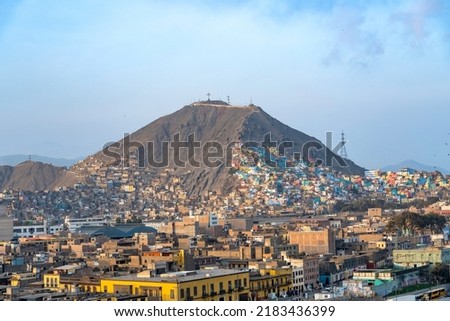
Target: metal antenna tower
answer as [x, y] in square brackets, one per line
[343, 151]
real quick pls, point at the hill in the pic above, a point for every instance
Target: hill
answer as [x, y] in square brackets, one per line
[33, 176]
[212, 122]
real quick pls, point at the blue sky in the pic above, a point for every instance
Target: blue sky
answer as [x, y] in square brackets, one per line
[77, 74]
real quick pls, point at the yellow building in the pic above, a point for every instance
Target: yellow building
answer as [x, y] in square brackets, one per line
[23, 279]
[52, 281]
[67, 279]
[60, 283]
[202, 285]
[268, 281]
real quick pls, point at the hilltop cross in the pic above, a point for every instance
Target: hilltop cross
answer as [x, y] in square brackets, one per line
[209, 95]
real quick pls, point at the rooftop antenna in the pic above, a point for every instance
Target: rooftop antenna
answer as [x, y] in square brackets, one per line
[251, 101]
[209, 95]
[29, 157]
[228, 100]
[343, 151]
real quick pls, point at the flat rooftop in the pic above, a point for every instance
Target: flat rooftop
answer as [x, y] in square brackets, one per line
[183, 276]
[67, 267]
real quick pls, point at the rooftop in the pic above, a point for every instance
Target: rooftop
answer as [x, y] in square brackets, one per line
[67, 267]
[183, 276]
[117, 232]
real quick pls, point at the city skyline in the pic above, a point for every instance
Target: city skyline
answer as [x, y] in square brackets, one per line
[78, 75]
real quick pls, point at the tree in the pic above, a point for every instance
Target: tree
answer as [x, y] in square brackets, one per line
[440, 273]
[434, 222]
[412, 223]
[408, 223]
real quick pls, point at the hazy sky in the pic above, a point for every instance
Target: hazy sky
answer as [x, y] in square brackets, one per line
[77, 74]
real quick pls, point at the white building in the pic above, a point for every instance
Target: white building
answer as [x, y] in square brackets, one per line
[374, 173]
[305, 273]
[35, 230]
[297, 278]
[326, 295]
[74, 224]
[53, 229]
[29, 230]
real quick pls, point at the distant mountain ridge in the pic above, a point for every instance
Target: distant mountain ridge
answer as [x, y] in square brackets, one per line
[415, 165]
[13, 160]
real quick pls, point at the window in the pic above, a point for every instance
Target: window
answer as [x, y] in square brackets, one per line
[182, 294]
[195, 290]
[220, 286]
[172, 294]
[245, 283]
